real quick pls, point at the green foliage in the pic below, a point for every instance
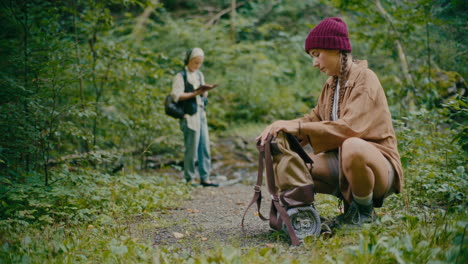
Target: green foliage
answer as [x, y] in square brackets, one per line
[431, 162]
[68, 85]
[432, 245]
[430, 39]
[85, 76]
[84, 197]
[458, 112]
[82, 217]
[87, 79]
[424, 224]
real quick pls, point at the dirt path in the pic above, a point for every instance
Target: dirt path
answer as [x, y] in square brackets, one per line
[213, 217]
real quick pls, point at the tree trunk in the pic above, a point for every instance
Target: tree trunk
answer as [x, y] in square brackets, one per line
[401, 54]
[26, 65]
[404, 62]
[84, 142]
[26, 32]
[399, 46]
[91, 42]
[426, 9]
[78, 56]
[233, 20]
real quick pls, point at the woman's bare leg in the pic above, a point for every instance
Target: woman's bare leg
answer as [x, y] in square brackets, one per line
[365, 168]
[323, 180]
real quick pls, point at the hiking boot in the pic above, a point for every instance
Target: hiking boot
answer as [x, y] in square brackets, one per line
[325, 231]
[209, 184]
[305, 221]
[356, 215]
[367, 213]
[193, 183]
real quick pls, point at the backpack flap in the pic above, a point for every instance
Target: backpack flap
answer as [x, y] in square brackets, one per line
[299, 196]
[290, 168]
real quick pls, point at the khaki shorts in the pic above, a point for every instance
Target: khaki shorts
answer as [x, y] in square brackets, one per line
[334, 169]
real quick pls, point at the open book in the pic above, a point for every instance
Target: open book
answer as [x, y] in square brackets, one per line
[207, 87]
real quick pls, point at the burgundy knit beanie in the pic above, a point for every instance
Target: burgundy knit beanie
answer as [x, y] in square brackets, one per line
[331, 33]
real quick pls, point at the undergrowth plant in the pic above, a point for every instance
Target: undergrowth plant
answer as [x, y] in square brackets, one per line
[83, 217]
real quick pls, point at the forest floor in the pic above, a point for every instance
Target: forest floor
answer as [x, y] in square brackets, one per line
[155, 217]
[206, 227]
[212, 217]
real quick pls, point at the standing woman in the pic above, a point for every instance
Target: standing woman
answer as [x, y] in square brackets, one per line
[189, 88]
[350, 129]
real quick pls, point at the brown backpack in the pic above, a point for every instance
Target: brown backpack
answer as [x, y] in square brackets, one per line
[290, 184]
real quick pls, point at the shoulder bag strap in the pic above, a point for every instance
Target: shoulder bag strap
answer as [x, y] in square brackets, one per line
[184, 77]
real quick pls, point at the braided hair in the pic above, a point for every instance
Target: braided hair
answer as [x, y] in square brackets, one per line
[342, 78]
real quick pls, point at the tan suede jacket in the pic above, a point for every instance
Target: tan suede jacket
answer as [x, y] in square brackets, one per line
[364, 114]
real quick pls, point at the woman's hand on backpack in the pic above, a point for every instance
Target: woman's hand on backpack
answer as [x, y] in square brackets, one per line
[288, 126]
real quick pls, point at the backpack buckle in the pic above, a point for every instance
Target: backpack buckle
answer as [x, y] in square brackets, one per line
[257, 188]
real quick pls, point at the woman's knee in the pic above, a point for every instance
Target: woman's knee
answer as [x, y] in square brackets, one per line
[353, 152]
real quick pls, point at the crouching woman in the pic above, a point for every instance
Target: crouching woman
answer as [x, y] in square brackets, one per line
[350, 129]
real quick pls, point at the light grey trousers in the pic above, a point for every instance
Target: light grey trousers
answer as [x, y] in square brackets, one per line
[197, 147]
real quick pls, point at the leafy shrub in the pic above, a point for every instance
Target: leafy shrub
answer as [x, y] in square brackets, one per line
[85, 197]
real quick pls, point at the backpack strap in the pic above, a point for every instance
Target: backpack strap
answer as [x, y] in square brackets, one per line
[258, 191]
[276, 207]
[184, 77]
[296, 147]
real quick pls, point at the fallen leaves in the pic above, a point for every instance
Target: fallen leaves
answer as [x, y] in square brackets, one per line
[193, 211]
[178, 235]
[187, 234]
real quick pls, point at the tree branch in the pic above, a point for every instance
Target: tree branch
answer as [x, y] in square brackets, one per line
[215, 18]
[142, 19]
[399, 46]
